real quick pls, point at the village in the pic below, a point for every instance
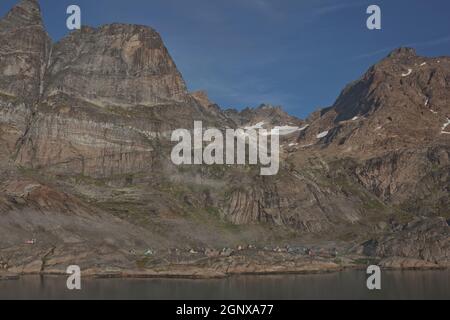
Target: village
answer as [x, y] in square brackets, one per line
[243, 249]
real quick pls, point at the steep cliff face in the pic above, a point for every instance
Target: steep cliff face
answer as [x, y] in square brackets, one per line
[25, 48]
[115, 65]
[424, 239]
[95, 103]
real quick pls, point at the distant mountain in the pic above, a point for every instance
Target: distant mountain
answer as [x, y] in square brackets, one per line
[394, 120]
[85, 127]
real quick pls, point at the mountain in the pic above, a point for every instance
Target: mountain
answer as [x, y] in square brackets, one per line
[25, 49]
[394, 120]
[86, 123]
[115, 65]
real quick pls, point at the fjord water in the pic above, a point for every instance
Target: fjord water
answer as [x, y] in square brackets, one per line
[343, 285]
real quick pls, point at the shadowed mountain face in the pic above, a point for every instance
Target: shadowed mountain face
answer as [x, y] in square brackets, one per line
[85, 126]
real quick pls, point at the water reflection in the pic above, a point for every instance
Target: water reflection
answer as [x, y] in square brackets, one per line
[344, 285]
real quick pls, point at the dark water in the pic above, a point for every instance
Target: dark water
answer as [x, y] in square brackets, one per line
[344, 285]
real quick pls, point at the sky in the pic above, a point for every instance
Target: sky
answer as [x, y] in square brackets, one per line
[295, 53]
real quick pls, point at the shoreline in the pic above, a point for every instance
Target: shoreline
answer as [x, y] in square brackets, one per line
[102, 274]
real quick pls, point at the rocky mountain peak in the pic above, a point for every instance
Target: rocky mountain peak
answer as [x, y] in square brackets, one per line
[265, 114]
[202, 98]
[26, 12]
[85, 63]
[25, 48]
[403, 52]
[413, 78]
[114, 65]
[401, 102]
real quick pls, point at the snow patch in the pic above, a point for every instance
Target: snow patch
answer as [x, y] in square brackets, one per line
[432, 111]
[259, 125]
[407, 74]
[445, 126]
[279, 130]
[355, 118]
[423, 64]
[322, 134]
[303, 128]
[285, 130]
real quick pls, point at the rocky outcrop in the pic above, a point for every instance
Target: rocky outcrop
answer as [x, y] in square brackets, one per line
[296, 199]
[115, 65]
[123, 65]
[25, 48]
[424, 239]
[401, 102]
[416, 180]
[267, 115]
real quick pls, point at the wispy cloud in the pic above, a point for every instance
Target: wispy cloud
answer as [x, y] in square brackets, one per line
[420, 44]
[374, 53]
[430, 43]
[322, 9]
[267, 8]
[315, 9]
[326, 9]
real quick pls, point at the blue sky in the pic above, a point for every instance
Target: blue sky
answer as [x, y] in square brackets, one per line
[294, 53]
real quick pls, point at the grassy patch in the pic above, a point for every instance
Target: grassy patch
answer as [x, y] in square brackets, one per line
[373, 204]
[142, 262]
[366, 261]
[7, 97]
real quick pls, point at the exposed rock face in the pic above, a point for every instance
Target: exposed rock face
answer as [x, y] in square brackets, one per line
[417, 180]
[24, 52]
[82, 84]
[269, 115]
[115, 65]
[86, 125]
[425, 239]
[294, 199]
[400, 102]
[393, 121]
